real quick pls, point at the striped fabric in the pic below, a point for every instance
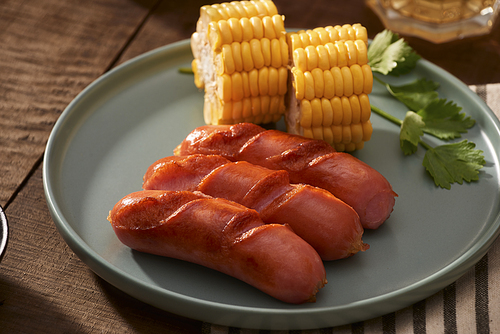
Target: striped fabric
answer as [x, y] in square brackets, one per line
[469, 305]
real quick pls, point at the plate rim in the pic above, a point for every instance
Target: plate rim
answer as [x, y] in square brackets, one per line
[449, 273]
[5, 233]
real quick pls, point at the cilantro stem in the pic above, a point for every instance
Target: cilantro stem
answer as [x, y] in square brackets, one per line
[425, 145]
[387, 116]
[379, 80]
[396, 121]
[185, 70]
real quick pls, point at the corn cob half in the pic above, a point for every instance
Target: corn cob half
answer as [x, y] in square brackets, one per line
[240, 60]
[329, 86]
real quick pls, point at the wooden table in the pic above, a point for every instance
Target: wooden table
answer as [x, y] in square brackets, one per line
[50, 50]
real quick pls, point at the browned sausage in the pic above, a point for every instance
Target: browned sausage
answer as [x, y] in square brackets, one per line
[306, 160]
[325, 222]
[221, 235]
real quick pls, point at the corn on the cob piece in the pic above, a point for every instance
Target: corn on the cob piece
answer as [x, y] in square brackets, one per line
[329, 85]
[240, 58]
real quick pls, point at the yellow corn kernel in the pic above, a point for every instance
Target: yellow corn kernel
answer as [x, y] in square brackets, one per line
[323, 35]
[346, 111]
[246, 84]
[209, 14]
[327, 110]
[265, 45]
[307, 132]
[225, 32]
[367, 130]
[304, 38]
[246, 29]
[279, 25]
[253, 82]
[282, 80]
[317, 113]
[337, 134]
[312, 57]
[329, 89]
[361, 32]
[361, 52]
[338, 80]
[273, 87]
[260, 7]
[366, 111]
[246, 111]
[237, 57]
[367, 79]
[236, 29]
[238, 8]
[284, 51]
[263, 81]
[309, 91]
[317, 133]
[224, 89]
[358, 82]
[323, 58]
[246, 55]
[348, 80]
[276, 53]
[332, 54]
[271, 7]
[305, 114]
[227, 66]
[268, 26]
[319, 82]
[355, 109]
[249, 8]
[351, 53]
[237, 93]
[332, 33]
[214, 36]
[338, 113]
[197, 79]
[346, 134]
[298, 83]
[359, 146]
[258, 29]
[300, 59]
[313, 37]
[256, 53]
[341, 54]
[237, 110]
[328, 134]
[264, 108]
[294, 41]
[356, 133]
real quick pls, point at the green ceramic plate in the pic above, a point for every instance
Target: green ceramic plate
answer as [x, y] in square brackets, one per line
[137, 113]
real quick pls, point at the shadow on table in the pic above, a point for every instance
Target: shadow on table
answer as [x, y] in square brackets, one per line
[143, 317]
[25, 310]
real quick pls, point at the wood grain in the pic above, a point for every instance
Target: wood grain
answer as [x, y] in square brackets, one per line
[42, 282]
[51, 50]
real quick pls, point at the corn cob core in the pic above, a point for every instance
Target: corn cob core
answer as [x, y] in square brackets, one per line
[329, 86]
[240, 59]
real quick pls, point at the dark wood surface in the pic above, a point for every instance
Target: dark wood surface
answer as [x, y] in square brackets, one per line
[50, 50]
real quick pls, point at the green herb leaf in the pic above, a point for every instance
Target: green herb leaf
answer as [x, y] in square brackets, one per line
[452, 163]
[411, 131]
[443, 119]
[389, 54]
[415, 95]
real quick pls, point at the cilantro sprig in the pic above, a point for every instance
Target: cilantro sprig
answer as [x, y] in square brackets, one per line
[427, 113]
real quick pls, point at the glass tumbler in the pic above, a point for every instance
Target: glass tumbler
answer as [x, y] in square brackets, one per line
[437, 21]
